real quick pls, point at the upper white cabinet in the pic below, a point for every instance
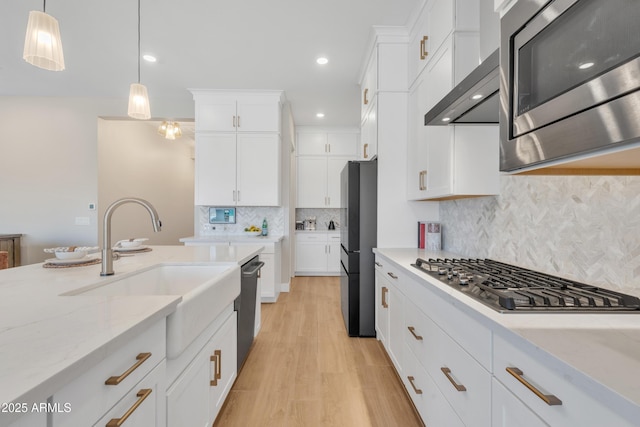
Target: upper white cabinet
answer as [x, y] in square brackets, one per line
[223, 111]
[237, 148]
[321, 157]
[448, 161]
[237, 169]
[369, 132]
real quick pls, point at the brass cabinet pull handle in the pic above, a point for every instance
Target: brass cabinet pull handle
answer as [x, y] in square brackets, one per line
[423, 47]
[393, 276]
[447, 373]
[366, 155]
[413, 332]
[421, 183]
[384, 297]
[238, 121]
[217, 359]
[417, 390]
[549, 399]
[141, 395]
[141, 358]
[366, 92]
[378, 264]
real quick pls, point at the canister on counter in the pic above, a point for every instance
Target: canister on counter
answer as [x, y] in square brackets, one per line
[434, 236]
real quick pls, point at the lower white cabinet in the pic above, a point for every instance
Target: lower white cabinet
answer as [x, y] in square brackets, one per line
[118, 378]
[195, 398]
[387, 279]
[144, 405]
[318, 253]
[522, 369]
[508, 411]
[30, 419]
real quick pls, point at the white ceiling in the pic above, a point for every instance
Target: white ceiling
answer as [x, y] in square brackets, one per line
[231, 44]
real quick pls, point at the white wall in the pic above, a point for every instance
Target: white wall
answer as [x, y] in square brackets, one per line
[134, 161]
[49, 161]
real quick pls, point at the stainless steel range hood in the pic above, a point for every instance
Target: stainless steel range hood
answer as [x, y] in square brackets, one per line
[474, 101]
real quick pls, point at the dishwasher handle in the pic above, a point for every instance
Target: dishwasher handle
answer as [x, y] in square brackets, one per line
[252, 269]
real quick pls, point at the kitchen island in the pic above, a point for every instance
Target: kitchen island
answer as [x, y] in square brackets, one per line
[503, 369]
[48, 340]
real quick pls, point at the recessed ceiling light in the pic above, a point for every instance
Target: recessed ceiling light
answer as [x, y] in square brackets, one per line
[586, 65]
[320, 115]
[446, 119]
[322, 60]
[149, 58]
[477, 96]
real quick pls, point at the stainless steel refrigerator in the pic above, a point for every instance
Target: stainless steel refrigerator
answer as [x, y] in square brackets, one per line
[358, 236]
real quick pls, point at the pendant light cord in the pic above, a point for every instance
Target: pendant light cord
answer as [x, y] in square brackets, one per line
[138, 41]
[44, 6]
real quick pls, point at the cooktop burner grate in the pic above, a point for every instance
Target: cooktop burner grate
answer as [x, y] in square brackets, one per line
[508, 288]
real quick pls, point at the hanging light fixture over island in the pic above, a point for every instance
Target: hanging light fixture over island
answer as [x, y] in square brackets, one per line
[42, 42]
[138, 96]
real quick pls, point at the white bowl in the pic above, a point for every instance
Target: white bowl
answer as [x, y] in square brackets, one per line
[71, 255]
[130, 244]
[253, 233]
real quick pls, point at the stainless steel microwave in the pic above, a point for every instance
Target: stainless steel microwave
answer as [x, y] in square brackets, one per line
[569, 79]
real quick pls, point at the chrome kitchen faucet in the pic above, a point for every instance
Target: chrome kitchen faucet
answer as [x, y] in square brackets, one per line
[107, 252]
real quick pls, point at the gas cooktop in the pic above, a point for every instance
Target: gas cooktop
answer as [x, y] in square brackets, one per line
[507, 288]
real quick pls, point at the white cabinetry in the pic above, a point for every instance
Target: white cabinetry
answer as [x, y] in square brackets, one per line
[237, 169]
[223, 111]
[196, 397]
[384, 73]
[321, 157]
[431, 344]
[507, 410]
[237, 148]
[447, 161]
[118, 382]
[317, 253]
[551, 393]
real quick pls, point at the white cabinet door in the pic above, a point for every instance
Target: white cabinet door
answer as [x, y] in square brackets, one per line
[342, 144]
[369, 131]
[216, 114]
[255, 114]
[258, 175]
[267, 276]
[188, 397]
[223, 361]
[382, 307]
[333, 257]
[417, 158]
[311, 257]
[312, 182]
[311, 144]
[508, 411]
[396, 325]
[30, 419]
[334, 168]
[215, 172]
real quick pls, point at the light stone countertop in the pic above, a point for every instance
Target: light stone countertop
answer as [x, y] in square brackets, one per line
[233, 238]
[599, 352]
[47, 340]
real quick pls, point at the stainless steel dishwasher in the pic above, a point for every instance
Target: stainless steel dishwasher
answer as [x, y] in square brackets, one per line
[245, 305]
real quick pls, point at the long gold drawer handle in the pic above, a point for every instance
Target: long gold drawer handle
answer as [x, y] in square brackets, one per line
[141, 395]
[417, 390]
[413, 332]
[447, 373]
[378, 264]
[217, 359]
[393, 276]
[384, 297]
[549, 399]
[141, 358]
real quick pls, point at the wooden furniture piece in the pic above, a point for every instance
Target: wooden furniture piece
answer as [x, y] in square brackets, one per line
[10, 243]
[4, 260]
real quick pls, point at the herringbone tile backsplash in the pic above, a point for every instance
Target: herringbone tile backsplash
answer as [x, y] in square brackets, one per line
[582, 228]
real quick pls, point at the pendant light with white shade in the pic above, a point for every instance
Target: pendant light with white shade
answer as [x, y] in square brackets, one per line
[42, 42]
[138, 96]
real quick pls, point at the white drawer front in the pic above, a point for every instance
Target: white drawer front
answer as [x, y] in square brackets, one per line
[462, 380]
[569, 404]
[88, 394]
[318, 236]
[431, 404]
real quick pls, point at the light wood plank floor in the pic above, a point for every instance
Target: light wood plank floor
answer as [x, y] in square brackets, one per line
[303, 369]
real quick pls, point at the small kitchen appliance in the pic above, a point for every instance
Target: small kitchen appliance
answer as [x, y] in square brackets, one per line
[510, 289]
[310, 223]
